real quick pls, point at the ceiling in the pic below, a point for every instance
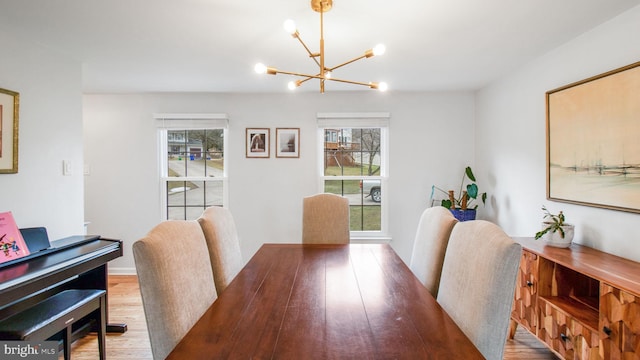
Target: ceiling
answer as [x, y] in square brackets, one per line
[212, 45]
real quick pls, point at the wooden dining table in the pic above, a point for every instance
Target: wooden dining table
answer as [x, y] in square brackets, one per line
[295, 301]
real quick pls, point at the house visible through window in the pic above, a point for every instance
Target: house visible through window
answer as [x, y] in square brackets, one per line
[354, 166]
[192, 167]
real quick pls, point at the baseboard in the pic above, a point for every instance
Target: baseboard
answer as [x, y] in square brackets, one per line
[122, 271]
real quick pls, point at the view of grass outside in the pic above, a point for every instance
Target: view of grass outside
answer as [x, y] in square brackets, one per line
[178, 184]
[364, 218]
[342, 187]
[349, 170]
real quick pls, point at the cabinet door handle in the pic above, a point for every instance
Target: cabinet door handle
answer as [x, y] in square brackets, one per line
[564, 337]
[606, 330]
[529, 283]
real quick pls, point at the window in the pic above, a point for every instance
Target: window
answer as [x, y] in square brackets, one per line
[354, 164]
[192, 164]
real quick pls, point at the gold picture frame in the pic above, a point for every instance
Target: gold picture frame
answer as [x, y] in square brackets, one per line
[257, 143]
[9, 110]
[288, 142]
[593, 155]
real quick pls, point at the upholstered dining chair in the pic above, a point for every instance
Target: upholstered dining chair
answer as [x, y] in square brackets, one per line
[430, 245]
[325, 219]
[176, 283]
[478, 282]
[219, 230]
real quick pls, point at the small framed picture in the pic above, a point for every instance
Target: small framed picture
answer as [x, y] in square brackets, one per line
[288, 142]
[258, 142]
[9, 103]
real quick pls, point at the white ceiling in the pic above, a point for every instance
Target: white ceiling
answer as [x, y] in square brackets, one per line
[212, 45]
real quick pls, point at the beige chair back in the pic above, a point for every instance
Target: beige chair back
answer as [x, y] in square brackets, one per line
[325, 219]
[220, 232]
[478, 282]
[430, 245]
[175, 279]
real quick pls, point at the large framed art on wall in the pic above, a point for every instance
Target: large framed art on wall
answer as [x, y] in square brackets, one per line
[593, 150]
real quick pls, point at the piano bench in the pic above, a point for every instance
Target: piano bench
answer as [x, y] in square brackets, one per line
[53, 318]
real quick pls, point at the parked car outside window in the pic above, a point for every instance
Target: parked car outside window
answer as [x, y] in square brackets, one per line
[371, 188]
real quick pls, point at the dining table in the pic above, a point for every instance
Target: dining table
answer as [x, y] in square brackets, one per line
[325, 301]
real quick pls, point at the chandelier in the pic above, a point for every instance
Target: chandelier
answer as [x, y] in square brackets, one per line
[324, 72]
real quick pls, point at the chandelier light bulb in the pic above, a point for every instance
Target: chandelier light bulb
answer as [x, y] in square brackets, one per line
[260, 68]
[290, 26]
[382, 86]
[327, 75]
[379, 49]
[292, 85]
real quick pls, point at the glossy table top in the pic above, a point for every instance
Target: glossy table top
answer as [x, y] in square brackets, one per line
[294, 301]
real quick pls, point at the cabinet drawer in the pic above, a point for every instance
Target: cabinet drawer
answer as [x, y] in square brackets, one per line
[525, 294]
[619, 323]
[563, 333]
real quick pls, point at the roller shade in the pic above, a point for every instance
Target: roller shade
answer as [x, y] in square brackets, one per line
[191, 121]
[354, 120]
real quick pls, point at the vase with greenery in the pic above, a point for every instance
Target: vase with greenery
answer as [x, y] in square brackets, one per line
[464, 204]
[555, 231]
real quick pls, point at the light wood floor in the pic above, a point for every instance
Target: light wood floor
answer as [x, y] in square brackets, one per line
[125, 306]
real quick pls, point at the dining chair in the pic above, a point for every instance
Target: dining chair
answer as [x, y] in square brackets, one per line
[430, 245]
[176, 283]
[325, 219]
[219, 230]
[478, 282]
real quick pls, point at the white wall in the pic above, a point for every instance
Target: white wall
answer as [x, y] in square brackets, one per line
[50, 131]
[432, 139]
[427, 146]
[510, 137]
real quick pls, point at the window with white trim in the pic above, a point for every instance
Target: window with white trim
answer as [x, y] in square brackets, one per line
[192, 163]
[353, 161]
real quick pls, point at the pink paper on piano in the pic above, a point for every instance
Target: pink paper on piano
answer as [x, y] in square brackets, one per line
[12, 245]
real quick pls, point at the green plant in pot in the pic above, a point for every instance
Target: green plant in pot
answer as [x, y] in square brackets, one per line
[555, 231]
[463, 206]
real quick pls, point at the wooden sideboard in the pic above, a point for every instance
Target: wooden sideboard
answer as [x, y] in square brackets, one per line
[581, 302]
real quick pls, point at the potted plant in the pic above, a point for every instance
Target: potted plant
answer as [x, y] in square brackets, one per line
[463, 205]
[555, 231]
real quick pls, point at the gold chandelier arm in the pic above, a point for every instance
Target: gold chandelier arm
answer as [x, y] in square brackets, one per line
[372, 85]
[300, 82]
[347, 62]
[309, 77]
[369, 84]
[311, 55]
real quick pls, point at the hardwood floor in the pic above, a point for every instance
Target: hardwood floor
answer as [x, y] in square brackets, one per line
[125, 306]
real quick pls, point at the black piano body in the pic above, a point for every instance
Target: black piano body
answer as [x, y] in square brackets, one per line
[77, 262]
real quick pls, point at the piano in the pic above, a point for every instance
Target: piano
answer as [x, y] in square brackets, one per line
[76, 262]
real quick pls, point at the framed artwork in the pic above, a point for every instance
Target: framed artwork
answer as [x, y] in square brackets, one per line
[9, 106]
[593, 152]
[288, 142]
[257, 142]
